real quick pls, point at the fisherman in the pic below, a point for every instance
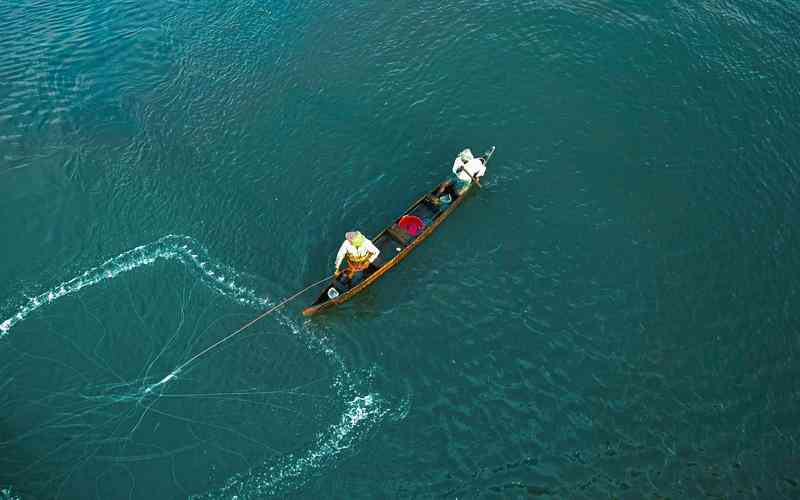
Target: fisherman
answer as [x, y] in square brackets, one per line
[466, 169]
[360, 253]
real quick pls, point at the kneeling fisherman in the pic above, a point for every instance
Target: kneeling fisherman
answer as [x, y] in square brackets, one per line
[359, 251]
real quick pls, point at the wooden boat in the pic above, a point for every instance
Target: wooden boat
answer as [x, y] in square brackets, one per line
[395, 243]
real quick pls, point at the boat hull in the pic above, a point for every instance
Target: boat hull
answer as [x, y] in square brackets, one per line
[392, 239]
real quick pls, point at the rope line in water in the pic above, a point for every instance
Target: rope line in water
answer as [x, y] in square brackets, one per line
[186, 363]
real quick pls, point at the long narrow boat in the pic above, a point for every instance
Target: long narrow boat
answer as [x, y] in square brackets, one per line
[395, 242]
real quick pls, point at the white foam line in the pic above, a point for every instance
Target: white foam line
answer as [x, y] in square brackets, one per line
[185, 249]
[360, 415]
[361, 412]
[7, 494]
[293, 469]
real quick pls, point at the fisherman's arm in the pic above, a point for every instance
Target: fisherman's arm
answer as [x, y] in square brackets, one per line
[340, 255]
[372, 249]
[481, 169]
[476, 168]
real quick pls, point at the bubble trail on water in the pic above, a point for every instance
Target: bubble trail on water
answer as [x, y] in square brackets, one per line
[363, 409]
[182, 248]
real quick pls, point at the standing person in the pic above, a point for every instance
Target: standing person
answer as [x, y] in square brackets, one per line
[359, 251]
[466, 168]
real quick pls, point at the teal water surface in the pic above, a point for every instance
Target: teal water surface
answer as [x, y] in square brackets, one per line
[613, 315]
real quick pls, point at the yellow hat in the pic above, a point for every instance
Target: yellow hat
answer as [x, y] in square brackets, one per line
[355, 237]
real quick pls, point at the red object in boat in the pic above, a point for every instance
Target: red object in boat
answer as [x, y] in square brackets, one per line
[411, 224]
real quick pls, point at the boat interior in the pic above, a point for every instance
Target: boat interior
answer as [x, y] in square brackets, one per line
[402, 233]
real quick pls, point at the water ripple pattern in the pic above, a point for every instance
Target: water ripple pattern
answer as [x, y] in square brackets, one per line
[614, 315]
[182, 248]
[361, 411]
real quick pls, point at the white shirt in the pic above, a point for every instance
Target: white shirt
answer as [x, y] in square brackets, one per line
[349, 248]
[474, 167]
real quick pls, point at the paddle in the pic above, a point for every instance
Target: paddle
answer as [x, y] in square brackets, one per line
[462, 169]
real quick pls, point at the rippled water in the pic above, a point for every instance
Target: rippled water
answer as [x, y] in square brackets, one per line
[614, 315]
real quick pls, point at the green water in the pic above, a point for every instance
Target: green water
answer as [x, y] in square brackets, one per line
[614, 315]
